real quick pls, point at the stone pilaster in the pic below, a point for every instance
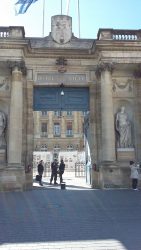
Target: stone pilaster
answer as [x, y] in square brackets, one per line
[37, 124]
[75, 124]
[50, 124]
[104, 71]
[63, 126]
[16, 116]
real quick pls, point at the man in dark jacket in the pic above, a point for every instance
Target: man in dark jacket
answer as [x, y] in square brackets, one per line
[40, 171]
[61, 170]
[54, 167]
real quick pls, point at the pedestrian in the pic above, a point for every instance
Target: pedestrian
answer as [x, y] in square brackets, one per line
[134, 174]
[54, 168]
[61, 170]
[40, 171]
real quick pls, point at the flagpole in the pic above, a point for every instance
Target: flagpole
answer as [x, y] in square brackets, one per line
[78, 8]
[43, 24]
[61, 7]
[68, 7]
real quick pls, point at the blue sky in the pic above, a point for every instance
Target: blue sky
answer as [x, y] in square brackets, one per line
[94, 14]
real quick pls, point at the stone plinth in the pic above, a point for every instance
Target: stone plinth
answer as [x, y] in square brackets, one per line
[125, 154]
[12, 178]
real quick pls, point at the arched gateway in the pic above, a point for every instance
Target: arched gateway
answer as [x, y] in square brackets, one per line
[101, 75]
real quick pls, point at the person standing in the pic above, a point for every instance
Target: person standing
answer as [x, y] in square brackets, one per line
[134, 175]
[40, 172]
[61, 170]
[54, 167]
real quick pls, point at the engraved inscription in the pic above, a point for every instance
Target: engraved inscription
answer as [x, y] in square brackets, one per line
[59, 78]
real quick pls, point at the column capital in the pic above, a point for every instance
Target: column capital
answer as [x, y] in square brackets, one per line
[137, 72]
[104, 67]
[19, 65]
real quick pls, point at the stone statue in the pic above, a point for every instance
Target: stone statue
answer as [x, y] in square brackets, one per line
[123, 128]
[2, 129]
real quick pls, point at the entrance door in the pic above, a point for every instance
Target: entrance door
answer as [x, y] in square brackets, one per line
[59, 124]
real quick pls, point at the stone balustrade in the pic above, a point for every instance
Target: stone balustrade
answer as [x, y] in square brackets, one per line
[12, 32]
[115, 34]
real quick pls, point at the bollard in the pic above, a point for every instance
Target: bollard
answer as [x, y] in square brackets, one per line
[63, 185]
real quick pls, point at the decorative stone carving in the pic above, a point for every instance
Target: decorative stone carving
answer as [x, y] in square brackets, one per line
[137, 72]
[123, 129]
[103, 67]
[4, 83]
[122, 86]
[61, 28]
[17, 64]
[2, 129]
[61, 62]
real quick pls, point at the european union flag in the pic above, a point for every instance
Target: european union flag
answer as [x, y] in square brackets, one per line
[22, 5]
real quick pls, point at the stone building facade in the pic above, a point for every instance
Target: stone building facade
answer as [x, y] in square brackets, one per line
[56, 131]
[109, 66]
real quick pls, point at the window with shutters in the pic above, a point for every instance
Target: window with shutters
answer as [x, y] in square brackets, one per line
[43, 129]
[57, 129]
[69, 131]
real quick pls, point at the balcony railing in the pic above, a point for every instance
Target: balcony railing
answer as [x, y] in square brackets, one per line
[12, 32]
[122, 35]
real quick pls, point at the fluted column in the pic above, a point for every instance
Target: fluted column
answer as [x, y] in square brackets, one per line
[104, 71]
[16, 116]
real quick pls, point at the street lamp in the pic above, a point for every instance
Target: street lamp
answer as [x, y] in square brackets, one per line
[62, 91]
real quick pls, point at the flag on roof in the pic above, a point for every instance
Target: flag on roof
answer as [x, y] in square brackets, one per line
[21, 6]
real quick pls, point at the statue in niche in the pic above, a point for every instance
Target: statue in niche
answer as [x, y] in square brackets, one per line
[2, 129]
[123, 129]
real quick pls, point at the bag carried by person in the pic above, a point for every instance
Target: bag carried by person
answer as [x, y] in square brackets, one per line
[38, 177]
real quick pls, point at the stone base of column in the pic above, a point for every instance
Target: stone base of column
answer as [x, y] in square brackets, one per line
[125, 154]
[12, 178]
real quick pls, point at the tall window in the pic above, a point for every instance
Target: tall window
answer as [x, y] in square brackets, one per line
[44, 113]
[69, 113]
[57, 129]
[70, 147]
[69, 129]
[57, 113]
[44, 129]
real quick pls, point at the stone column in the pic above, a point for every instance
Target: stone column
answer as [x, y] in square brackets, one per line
[104, 71]
[16, 116]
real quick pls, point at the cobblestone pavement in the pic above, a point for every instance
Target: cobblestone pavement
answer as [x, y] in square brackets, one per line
[72, 219]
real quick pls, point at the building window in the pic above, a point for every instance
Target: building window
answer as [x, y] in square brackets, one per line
[57, 129]
[58, 113]
[69, 129]
[44, 129]
[43, 147]
[69, 113]
[56, 148]
[70, 147]
[44, 113]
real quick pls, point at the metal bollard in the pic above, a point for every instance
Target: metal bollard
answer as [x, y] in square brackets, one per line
[63, 185]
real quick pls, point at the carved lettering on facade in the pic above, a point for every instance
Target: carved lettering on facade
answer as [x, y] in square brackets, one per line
[59, 78]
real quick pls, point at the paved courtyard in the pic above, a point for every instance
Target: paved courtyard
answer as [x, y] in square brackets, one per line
[72, 219]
